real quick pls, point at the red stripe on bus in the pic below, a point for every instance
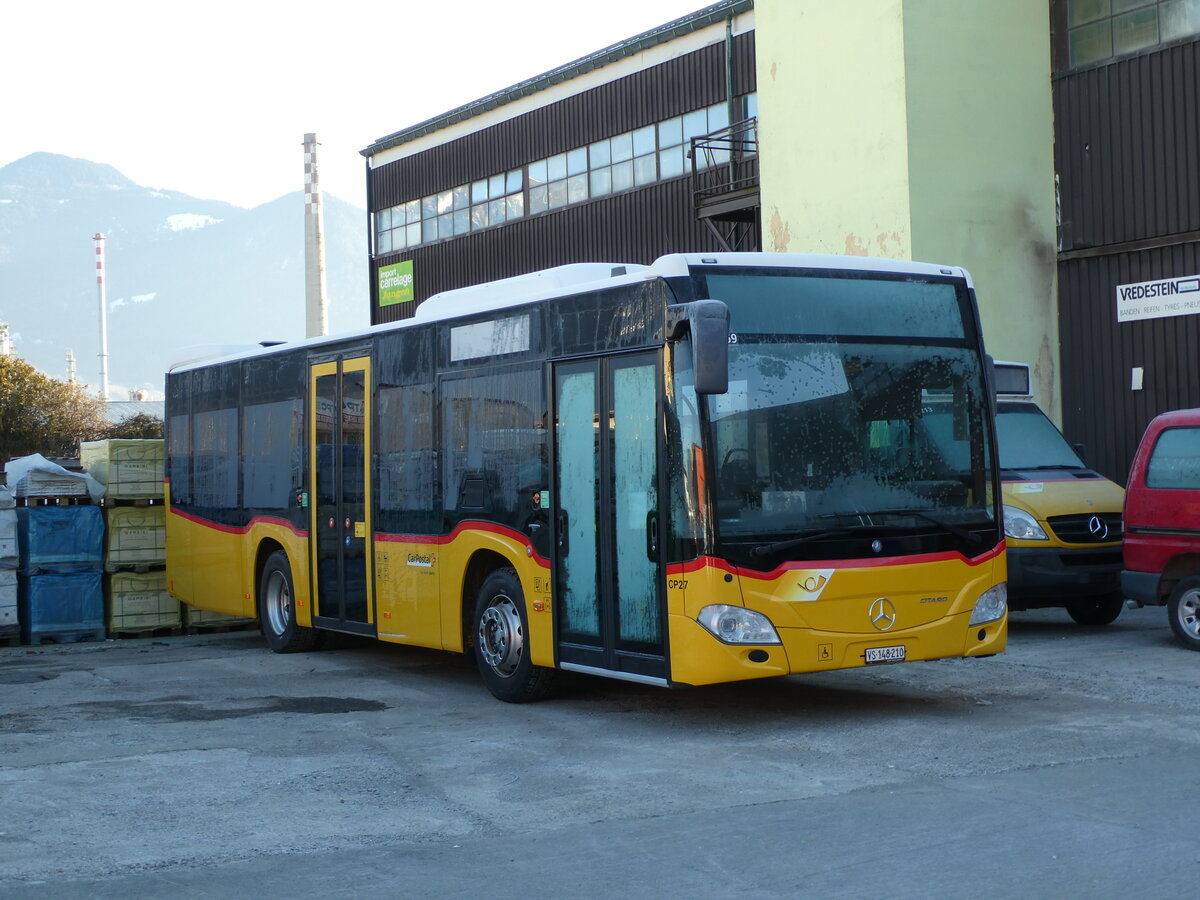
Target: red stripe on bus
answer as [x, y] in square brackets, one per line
[778, 572]
[472, 525]
[240, 529]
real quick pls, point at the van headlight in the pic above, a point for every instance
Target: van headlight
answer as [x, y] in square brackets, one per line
[991, 605]
[738, 625]
[1022, 526]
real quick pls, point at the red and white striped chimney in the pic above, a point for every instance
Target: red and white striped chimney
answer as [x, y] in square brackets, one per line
[99, 239]
[316, 305]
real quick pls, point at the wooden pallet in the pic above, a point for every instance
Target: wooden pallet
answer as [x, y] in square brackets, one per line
[67, 636]
[139, 568]
[223, 628]
[59, 500]
[140, 501]
[172, 631]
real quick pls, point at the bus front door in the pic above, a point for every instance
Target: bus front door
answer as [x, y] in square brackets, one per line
[607, 527]
[340, 529]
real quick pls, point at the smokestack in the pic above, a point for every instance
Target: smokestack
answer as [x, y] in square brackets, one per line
[316, 307]
[99, 239]
[70, 367]
[5, 342]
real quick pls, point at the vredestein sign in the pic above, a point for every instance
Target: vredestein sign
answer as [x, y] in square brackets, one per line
[396, 283]
[1157, 299]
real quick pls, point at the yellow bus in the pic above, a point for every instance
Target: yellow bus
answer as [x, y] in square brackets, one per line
[713, 468]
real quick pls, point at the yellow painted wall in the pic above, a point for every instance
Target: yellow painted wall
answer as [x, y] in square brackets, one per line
[919, 129]
[832, 127]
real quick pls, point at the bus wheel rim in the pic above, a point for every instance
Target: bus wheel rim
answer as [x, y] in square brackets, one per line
[501, 637]
[279, 603]
[1189, 613]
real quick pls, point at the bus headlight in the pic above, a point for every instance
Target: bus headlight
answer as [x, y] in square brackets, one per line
[1022, 526]
[991, 605]
[738, 625]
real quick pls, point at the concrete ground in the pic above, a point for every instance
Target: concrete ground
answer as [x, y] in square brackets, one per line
[206, 766]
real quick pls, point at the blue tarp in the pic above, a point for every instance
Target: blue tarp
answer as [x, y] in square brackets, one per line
[63, 606]
[60, 539]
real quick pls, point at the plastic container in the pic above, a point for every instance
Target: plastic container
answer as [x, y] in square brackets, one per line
[60, 539]
[135, 536]
[9, 554]
[8, 601]
[138, 601]
[129, 469]
[60, 607]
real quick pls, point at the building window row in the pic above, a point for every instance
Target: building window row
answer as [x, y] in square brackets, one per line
[621, 163]
[1101, 29]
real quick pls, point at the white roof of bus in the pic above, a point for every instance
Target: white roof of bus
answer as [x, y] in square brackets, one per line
[577, 278]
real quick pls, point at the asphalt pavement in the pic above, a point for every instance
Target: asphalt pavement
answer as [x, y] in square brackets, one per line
[206, 766]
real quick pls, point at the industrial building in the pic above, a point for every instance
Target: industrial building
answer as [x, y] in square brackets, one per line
[1047, 145]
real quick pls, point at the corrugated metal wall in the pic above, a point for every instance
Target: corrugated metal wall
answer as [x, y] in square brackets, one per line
[1128, 148]
[635, 227]
[1098, 354]
[1128, 157]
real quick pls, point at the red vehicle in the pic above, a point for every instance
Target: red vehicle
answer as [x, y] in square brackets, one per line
[1162, 522]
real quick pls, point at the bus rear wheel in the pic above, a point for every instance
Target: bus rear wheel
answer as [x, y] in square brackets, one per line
[501, 641]
[277, 608]
[1101, 610]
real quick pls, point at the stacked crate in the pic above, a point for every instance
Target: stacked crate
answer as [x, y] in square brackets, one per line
[9, 560]
[135, 549]
[59, 593]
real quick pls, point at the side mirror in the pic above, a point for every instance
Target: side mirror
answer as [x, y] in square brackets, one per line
[1080, 451]
[707, 323]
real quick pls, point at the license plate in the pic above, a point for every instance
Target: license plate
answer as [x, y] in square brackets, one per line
[885, 654]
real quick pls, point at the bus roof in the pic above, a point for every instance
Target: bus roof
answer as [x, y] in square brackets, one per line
[576, 278]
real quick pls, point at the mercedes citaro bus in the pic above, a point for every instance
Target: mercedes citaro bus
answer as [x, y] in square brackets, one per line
[713, 468]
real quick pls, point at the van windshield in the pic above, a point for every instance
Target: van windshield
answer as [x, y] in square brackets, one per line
[1029, 440]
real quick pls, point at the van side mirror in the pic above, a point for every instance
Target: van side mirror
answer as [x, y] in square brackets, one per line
[707, 323]
[1080, 451]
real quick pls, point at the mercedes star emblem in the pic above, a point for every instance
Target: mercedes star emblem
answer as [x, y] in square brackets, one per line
[883, 614]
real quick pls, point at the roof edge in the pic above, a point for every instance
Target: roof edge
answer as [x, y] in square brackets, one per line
[700, 19]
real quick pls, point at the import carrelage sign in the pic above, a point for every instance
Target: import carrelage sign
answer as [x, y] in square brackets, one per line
[1156, 299]
[396, 283]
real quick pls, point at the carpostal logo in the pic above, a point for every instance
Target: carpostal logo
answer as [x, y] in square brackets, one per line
[421, 561]
[811, 583]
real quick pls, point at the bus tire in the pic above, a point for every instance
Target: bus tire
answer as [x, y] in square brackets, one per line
[1099, 610]
[1183, 612]
[500, 639]
[277, 608]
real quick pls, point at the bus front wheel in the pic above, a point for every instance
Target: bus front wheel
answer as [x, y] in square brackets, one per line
[277, 608]
[501, 641]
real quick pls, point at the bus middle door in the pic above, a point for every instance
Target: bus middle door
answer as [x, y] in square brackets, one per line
[340, 457]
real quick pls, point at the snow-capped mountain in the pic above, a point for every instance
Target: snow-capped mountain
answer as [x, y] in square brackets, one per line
[180, 271]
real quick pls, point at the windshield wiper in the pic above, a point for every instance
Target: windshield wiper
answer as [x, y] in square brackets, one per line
[780, 546]
[1039, 468]
[956, 530]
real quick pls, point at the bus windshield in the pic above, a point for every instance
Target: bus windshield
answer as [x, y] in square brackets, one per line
[837, 385]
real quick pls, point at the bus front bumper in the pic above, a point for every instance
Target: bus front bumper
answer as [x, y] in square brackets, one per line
[699, 658]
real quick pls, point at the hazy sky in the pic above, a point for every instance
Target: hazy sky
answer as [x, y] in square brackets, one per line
[213, 99]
